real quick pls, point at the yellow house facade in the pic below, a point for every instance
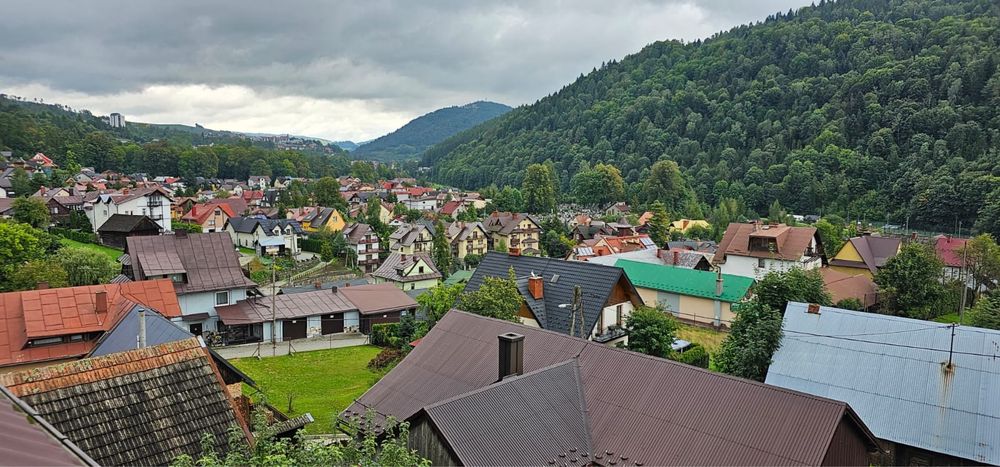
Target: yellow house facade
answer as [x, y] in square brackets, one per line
[683, 225]
[864, 255]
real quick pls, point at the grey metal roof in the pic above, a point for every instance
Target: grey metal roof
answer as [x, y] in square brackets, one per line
[596, 281]
[324, 285]
[209, 260]
[123, 336]
[892, 371]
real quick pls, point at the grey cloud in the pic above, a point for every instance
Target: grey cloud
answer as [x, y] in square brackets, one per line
[408, 57]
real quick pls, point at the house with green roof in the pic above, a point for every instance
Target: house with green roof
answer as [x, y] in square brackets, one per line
[700, 296]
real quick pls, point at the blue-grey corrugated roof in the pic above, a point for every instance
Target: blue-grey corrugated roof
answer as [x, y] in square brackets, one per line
[123, 336]
[892, 371]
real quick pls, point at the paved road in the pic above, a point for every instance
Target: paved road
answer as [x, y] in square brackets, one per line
[299, 345]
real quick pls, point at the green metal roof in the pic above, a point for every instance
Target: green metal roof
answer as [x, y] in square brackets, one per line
[684, 281]
[459, 277]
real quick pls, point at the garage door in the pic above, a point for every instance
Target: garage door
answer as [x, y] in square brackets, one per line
[333, 324]
[293, 329]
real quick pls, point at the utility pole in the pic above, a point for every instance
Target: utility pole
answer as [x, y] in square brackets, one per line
[951, 347]
[964, 279]
[274, 321]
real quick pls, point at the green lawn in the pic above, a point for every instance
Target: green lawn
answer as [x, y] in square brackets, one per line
[321, 382]
[948, 318]
[112, 253]
[247, 251]
[707, 337]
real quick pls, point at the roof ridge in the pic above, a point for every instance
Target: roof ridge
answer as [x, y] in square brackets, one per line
[502, 382]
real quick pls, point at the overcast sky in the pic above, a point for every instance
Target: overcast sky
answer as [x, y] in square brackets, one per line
[337, 70]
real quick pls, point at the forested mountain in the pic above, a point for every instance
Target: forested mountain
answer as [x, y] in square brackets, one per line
[427, 130]
[865, 108]
[79, 138]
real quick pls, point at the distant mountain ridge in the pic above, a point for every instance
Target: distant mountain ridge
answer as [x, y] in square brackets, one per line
[412, 139]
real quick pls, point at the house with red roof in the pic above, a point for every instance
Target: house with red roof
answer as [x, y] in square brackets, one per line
[949, 250]
[45, 326]
[211, 217]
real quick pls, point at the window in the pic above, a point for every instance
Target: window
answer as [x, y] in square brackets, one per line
[421, 269]
[618, 315]
[46, 341]
[760, 263]
[54, 210]
[221, 298]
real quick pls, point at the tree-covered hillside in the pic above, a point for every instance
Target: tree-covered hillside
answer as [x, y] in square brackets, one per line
[427, 130]
[866, 108]
[78, 138]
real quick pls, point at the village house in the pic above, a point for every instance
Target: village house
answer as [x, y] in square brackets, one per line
[610, 245]
[753, 250]
[928, 392]
[467, 238]
[47, 326]
[704, 297]
[106, 405]
[865, 254]
[204, 269]
[364, 241]
[617, 209]
[513, 230]
[548, 287]
[260, 233]
[60, 207]
[949, 250]
[119, 227]
[408, 271]
[259, 182]
[318, 219]
[676, 257]
[152, 202]
[210, 217]
[569, 400]
[683, 225]
[411, 239]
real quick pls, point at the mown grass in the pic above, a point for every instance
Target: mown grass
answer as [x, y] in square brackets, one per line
[321, 382]
[112, 253]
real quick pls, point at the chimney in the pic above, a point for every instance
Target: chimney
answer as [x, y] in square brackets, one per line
[511, 355]
[718, 283]
[317, 284]
[514, 251]
[42, 285]
[677, 256]
[142, 328]
[333, 289]
[181, 233]
[813, 309]
[101, 301]
[535, 286]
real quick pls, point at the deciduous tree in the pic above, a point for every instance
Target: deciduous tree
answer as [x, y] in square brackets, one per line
[754, 337]
[910, 280]
[651, 331]
[496, 297]
[31, 211]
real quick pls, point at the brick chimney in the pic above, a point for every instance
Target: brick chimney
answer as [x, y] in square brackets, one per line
[514, 251]
[511, 361]
[813, 309]
[101, 301]
[677, 257]
[536, 287]
[42, 285]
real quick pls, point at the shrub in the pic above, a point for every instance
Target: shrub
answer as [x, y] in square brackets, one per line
[83, 237]
[695, 355]
[386, 358]
[311, 245]
[385, 335]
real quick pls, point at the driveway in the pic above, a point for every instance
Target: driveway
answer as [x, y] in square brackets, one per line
[298, 345]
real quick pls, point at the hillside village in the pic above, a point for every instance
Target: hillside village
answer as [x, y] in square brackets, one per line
[774, 246]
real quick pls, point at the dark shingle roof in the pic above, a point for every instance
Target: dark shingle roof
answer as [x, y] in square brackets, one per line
[651, 410]
[125, 223]
[399, 266]
[560, 277]
[209, 260]
[141, 407]
[248, 224]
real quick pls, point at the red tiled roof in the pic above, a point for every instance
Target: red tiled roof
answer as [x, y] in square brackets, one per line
[34, 314]
[450, 207]
[947, 249]
[199, 213]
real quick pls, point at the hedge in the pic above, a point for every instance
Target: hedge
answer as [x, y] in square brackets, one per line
[385, 335]
[311, 245]
[694, 355]
[83, 237]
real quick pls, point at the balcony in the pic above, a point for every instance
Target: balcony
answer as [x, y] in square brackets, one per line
[611, 333]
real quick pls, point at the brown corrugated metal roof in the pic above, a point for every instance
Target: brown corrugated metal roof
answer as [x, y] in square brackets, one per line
[286, 306]
[638, 407]
[209, 260]
[378, 298]
[27, 439]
